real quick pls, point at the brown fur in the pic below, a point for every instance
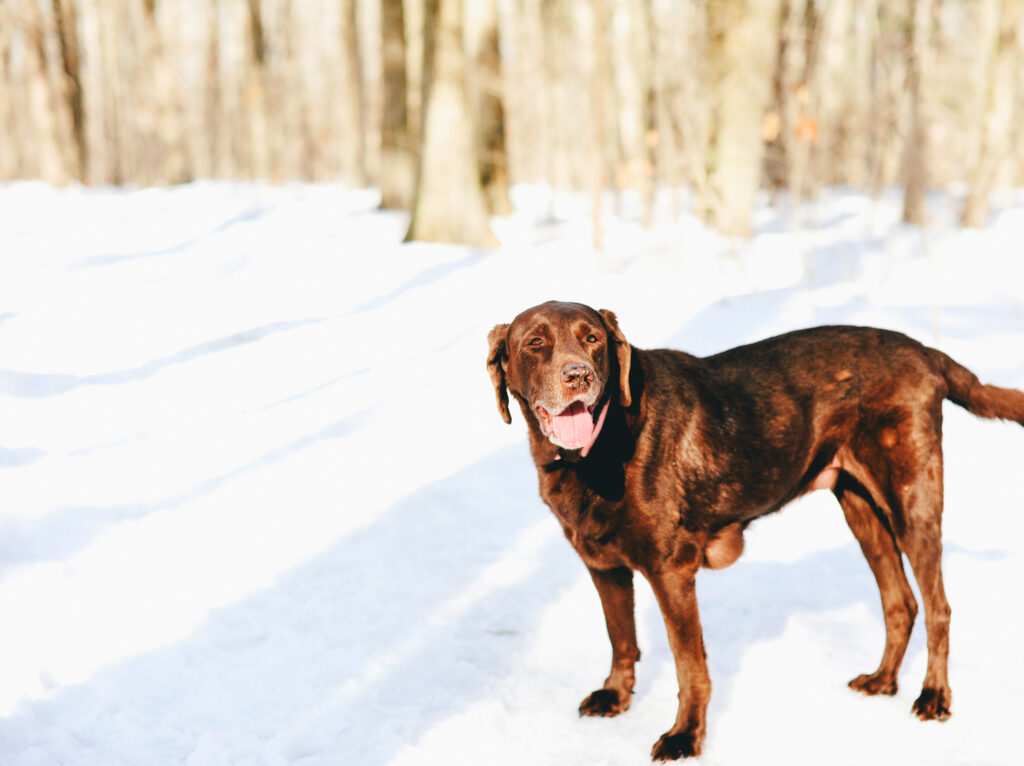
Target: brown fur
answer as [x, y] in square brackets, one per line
[694, 449]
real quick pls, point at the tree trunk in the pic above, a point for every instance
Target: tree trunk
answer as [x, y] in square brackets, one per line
[51, 138]
[210, 120]
[67, 35]
[488, 104]
[396, 160]
[555, 21]
[997, 113]
[792, 130]
[354, 101]
[743, 47]
[255, 99]
[168, 163]
[599, 79]
[917, 150]
[10, 162]
[449, 203]
[646, 53]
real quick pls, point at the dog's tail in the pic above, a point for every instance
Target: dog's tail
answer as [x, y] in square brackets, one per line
[980, 399]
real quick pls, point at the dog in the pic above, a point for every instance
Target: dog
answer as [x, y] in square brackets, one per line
[655, 461]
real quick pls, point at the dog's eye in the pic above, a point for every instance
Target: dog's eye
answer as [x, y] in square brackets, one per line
[538, 341]
[592, 338]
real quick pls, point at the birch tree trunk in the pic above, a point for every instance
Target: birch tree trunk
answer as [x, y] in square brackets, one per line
[449, 202]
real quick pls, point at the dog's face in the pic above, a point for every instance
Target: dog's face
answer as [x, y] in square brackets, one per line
[563, 361]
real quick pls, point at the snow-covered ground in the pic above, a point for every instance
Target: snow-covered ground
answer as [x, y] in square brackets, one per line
[257, 505]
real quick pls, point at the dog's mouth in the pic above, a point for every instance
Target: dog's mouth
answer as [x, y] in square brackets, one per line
[575, 427]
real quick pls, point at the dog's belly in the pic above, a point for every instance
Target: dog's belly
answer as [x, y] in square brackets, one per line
[826, 479]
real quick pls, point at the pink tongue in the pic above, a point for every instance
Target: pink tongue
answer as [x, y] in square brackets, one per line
[574, 426]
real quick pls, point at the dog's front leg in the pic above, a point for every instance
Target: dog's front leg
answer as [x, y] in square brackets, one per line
[676, 592]
[615, 586]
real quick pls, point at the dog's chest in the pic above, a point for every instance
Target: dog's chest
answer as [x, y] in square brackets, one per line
[592, 525]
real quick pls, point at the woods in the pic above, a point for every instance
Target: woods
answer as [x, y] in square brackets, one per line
[444, 103]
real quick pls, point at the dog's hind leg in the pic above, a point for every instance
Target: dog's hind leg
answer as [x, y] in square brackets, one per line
[921, 541]
[876, 540]
[905, 474]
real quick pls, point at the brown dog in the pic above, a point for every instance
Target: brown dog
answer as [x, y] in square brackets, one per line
[656, 461]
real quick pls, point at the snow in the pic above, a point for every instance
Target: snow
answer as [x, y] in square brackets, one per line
[257, 505]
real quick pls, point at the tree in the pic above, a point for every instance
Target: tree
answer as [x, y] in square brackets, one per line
[449, 202]
[743, 46]
[600, 77]
[67, 35]
[721, 97]
[162, 113]
[917, 153]
[10, 157]
[260, 164]
[355, 117]
[50, 120]
[488, 103]
[1002, 64]
[396, 160]
[645, 52]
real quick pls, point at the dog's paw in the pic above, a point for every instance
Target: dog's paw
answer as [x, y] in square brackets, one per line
[605, 702]
[671, 747]
[874, 683]
[933, 704]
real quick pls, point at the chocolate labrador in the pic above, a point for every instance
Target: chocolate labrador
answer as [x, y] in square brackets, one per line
[655, 461]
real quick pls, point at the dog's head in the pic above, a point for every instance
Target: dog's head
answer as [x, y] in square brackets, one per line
[564, 362]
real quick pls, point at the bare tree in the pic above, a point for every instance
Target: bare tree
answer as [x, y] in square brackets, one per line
[487, 102]
[163, 111]
[1002, 66]
[555, 23]
[791, 128]
[67, 35]
[580, 95]
[449, 202]
[743, 47]
[10, 157]
[645, 53]
[211, 126]
[51, 123]
[354, 139]
[917, 153]
[396, 160]
[599, 79]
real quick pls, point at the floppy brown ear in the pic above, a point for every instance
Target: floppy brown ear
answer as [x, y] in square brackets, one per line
[497, 355]
[623, 352]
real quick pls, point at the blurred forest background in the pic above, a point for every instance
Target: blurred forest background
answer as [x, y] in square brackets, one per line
[443, 103]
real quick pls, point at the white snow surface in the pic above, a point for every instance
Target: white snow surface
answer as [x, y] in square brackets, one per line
[257, 505]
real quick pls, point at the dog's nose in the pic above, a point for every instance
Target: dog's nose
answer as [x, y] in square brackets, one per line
[577, 376]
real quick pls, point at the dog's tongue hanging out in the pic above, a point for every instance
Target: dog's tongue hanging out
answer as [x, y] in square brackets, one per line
[574, 427]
